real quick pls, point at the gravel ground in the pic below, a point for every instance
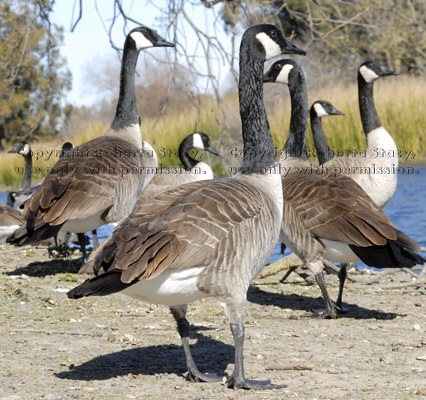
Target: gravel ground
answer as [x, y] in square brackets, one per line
[117, 348]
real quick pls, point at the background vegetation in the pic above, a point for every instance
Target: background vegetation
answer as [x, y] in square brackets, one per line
[182, 93]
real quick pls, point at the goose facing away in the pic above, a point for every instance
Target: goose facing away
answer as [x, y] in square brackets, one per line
[192, 171]
[99, 181]
[381, 158]
[328, 215]
[207, 238]
[319, 109]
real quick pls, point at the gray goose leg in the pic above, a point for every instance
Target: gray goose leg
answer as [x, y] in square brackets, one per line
[82, 242]
[235, 311]
[194, 375]
[95, 239]
[342, 277]
[331, 311]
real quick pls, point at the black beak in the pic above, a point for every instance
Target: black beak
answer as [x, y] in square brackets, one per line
[267, 78]
[335, 111]
[386, 71]
[163, 43]
[212, 150]
[292, 49]
[14, 149]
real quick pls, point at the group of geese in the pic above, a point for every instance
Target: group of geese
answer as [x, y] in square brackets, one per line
[212, 237]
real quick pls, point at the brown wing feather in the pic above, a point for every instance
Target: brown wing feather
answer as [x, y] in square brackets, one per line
[86, 175]
[186, 227]
[336, 208]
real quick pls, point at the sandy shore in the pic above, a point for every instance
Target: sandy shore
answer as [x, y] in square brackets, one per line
[117, 348]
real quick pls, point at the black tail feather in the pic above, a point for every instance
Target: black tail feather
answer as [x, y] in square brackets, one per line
[390, 255]
[22, 236]
[101, 285]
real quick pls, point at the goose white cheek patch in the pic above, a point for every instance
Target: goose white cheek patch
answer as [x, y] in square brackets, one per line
[25, 150]
[141, 41]
[197, 142]
[368, 74]
[319, 109]
[284, 73]
[272, 49]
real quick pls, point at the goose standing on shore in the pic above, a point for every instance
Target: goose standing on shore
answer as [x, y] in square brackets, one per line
[99, 181]
[381, 154]
[207, 238]
[327, 215]
[381, 157]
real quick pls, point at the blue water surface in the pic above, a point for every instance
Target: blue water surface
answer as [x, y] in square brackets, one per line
[406, 210]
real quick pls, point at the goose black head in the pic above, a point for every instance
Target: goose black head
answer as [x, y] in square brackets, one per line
[268, 41]
[285, 71]
[199, 140]
[143, 37]
[22, 148]
[373, 70]
[324, 108]
[66, 147]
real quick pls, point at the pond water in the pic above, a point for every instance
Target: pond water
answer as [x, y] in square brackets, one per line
[406, 209]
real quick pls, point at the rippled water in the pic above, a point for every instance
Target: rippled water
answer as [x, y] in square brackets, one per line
[406, 209]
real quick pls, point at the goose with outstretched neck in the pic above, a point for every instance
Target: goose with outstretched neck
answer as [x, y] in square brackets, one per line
[99, 181]
[329, 215]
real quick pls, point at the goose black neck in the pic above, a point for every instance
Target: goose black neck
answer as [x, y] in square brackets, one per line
[367, 109]
[259, 150]
[184, 148]
[320, 142]
[295, 145]
[26, 183]
[127, 113]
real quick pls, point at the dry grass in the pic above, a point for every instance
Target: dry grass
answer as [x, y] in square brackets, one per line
[400, 102]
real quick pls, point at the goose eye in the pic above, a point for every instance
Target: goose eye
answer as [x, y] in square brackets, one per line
[274, 34]
[278, 66]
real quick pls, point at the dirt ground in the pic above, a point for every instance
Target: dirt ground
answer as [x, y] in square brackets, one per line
[117, 348]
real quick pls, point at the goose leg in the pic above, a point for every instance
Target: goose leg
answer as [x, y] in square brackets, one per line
[95, 239]
[235, 311]
[331, 311]
[82, 242]
[283, 247]
[194, 375]
[342, 277]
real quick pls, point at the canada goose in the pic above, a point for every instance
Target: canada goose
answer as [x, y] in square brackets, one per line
[207, 238]
[192, 171]
[328, 215]
[319, 109]
[376, 171]
[99, 181]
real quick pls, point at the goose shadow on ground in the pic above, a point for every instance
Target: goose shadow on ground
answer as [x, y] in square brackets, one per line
[210, 355]
[40, 269]
[309, 304]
